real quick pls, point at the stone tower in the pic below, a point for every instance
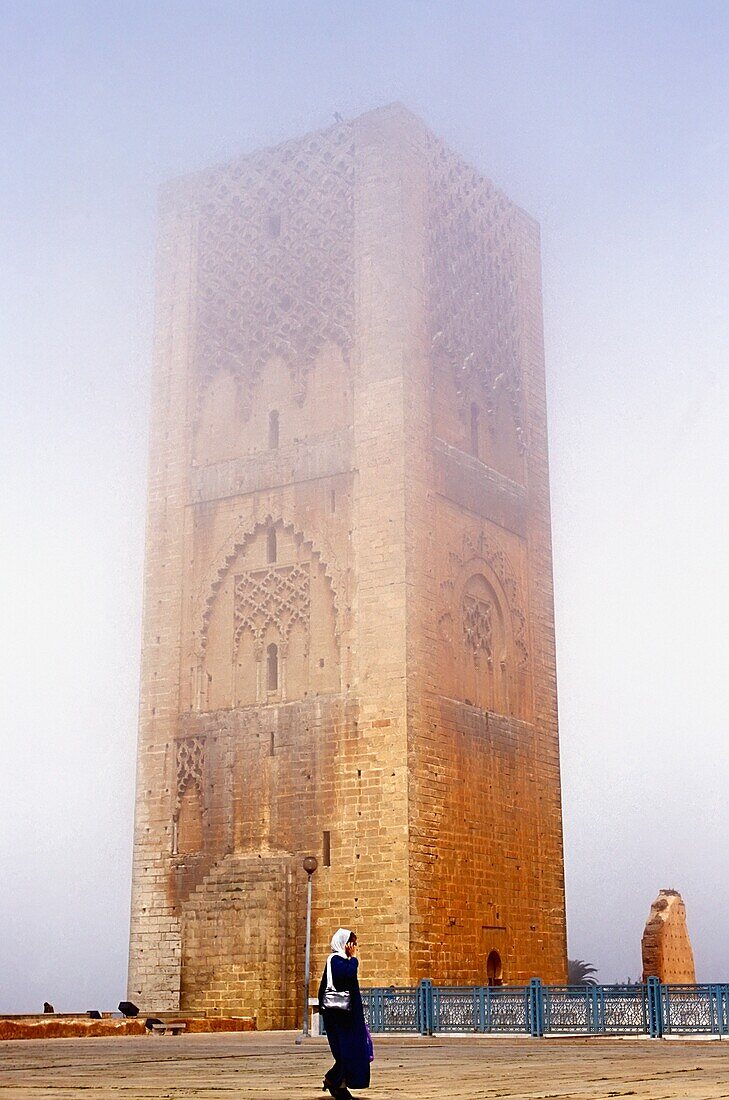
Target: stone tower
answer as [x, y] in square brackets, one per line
[666, 946]
[348, 634]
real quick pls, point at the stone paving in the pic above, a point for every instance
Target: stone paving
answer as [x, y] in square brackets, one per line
[269, 1065]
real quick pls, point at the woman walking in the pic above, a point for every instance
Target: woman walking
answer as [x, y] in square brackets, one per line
[341, 1004]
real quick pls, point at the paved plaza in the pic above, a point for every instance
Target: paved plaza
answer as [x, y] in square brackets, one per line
[269, 1065]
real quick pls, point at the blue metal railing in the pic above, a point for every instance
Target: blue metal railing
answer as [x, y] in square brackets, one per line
[651, 1009]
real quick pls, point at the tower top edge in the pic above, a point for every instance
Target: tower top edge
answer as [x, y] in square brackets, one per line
[387, 117]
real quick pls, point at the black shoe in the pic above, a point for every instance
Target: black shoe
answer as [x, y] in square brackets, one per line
[341, 1093]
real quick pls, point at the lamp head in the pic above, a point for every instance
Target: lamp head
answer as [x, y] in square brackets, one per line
[310, 864]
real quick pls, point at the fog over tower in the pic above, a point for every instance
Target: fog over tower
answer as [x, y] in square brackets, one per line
[348, 632]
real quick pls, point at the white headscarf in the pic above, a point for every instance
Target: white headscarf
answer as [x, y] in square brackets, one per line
[340, 939]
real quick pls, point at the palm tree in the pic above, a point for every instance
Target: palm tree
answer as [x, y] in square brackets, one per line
[580, 972]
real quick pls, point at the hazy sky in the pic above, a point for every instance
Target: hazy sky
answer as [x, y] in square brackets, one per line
[609, 123]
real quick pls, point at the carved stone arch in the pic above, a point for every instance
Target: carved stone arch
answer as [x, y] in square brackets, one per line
[483, 626]
[473, 571]
[224, 560]
[479, 551]
[248, 379]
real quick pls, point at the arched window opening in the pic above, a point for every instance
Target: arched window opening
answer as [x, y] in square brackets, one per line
[271, 545]
[272, 430]
[272, 667]
[494, 970]
[474, 430]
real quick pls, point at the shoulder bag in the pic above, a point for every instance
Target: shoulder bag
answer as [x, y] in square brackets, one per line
[333, 998]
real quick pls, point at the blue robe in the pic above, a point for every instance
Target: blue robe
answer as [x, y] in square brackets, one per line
[346, 1030]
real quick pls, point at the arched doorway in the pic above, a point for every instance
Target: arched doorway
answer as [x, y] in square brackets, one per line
[494, 969]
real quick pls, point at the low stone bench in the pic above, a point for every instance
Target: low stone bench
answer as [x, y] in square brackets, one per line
[174, 1027]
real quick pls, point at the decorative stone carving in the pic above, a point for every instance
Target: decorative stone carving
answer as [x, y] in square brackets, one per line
[228, 554]
[472, 282]
[190, 762]
[277, 596]
[276, 260]
[478, 627]
[478, 550]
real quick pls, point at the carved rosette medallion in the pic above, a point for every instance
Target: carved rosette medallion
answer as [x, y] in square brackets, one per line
[479, 555]
[478, 627]
[275, 247]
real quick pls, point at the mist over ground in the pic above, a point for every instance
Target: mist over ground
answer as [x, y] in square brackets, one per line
[607, 122]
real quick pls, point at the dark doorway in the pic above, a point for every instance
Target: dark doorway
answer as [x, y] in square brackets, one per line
[494, 970]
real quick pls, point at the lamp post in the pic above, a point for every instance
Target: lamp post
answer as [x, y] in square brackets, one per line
[310, 865]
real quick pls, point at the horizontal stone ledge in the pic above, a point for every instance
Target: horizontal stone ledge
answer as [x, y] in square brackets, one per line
[306, 461]
[471, 484]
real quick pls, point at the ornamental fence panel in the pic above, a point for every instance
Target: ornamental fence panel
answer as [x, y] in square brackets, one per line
[507, 1008]
[569, 1009]
[595, 1009]
[698, 1009]
[624, 1009]
[651, 1009]
[395, 1008]
[480, 1008]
